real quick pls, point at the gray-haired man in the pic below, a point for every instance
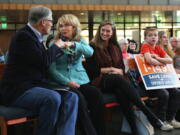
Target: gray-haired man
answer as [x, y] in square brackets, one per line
[24, 82]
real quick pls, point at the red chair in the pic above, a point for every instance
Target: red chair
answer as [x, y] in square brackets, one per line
[110, 101]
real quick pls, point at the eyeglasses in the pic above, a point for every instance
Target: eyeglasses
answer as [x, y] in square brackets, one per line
[64, 25]
[49, 20]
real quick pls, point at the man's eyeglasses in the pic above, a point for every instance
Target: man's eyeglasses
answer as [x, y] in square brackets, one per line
[49, 20]
[64, 25]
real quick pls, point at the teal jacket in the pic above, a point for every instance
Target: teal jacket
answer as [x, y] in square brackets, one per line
[69, 66]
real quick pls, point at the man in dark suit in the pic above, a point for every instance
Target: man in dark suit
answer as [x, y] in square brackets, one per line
[24, 81]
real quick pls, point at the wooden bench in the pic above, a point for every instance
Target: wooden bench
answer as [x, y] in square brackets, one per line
[12, 115]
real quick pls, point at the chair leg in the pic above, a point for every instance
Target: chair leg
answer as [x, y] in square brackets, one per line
[34, 126]
[3, 126]
[108, 115]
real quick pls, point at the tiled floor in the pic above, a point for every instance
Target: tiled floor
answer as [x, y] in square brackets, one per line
[113, 127]
[173, 132]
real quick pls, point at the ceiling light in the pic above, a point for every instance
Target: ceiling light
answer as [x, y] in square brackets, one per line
[81, 13]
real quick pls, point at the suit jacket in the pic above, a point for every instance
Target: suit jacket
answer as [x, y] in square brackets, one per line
[63, 71]
[27, 64]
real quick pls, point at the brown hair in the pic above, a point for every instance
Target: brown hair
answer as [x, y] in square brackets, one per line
[98, 42]
[148, 29]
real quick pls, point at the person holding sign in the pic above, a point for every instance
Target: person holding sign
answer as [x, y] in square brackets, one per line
[106, 71]
[168, 99]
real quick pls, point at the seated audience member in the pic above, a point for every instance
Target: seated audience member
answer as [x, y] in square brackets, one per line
[178, 41]
[173, 42]
[69, 71]
[168, 99]
[106, 70]
[6, 57]
[123, 44]
[164, 43]
[2, 59]
[23, 84]
[176, 59]
[133, 47]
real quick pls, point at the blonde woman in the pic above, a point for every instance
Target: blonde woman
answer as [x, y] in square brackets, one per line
[69, 71]
[176, 59]
[164, 43]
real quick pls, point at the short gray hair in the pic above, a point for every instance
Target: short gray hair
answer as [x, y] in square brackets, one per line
[122, 41]
[37, 13]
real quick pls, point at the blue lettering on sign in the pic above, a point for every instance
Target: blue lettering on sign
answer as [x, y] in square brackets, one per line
[159, 79]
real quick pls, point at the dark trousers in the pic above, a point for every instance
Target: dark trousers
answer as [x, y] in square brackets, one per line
[127, 96]
[168, 102]
[91, 110]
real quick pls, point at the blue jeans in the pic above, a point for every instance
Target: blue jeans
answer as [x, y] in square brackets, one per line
[57, 110]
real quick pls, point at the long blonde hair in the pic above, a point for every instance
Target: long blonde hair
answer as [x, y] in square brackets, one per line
[178, 49]
[72, 20]
[167, 47]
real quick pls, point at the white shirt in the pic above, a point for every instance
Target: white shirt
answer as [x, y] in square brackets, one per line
[37, 33]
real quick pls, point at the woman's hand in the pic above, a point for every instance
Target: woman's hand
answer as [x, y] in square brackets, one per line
[73, 84]
[106, 70]
[62, 44]
[112, 70]
[116, 71]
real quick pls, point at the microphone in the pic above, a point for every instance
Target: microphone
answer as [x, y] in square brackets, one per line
[63, 38]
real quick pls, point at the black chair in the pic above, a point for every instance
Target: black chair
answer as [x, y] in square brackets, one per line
[13, 115]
